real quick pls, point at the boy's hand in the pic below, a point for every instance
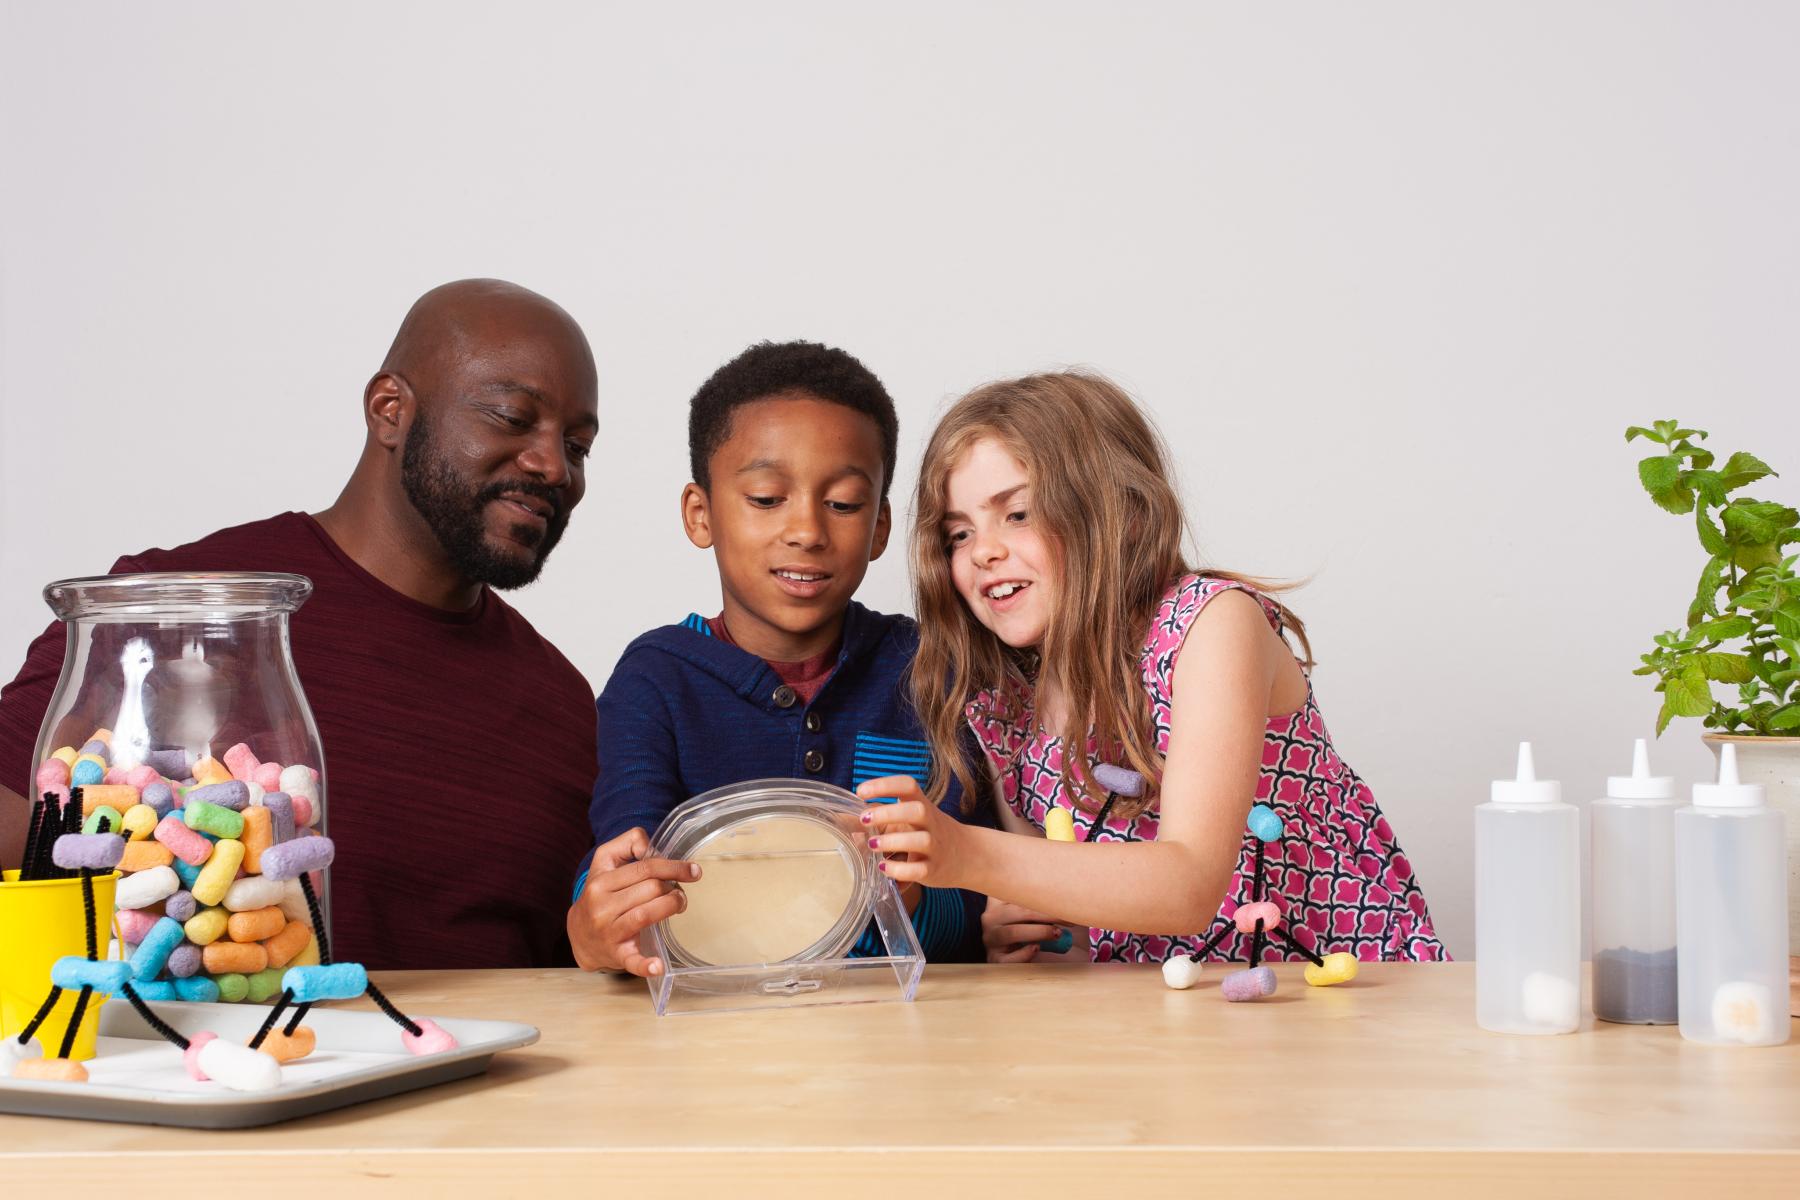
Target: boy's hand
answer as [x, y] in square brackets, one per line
[627, 891]
[1011, 933]
[935, 844]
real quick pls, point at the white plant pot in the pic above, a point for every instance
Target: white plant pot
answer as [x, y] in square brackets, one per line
[1774, 762]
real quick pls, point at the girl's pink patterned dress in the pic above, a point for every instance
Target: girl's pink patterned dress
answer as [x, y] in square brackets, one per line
[1337, 870]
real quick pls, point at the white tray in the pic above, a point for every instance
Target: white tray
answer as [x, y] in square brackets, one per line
[137, 1076]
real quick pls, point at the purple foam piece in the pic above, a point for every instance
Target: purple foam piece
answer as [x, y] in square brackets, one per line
[1252, 984]
[1122, 781]
[181, 905]
[232, 794]
[185, 960]
[158, 797]
[99, 750]
[170, 764]
[95, 851]
[281, 816]
[290, 860]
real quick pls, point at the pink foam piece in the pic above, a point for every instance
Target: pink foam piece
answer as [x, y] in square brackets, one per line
[1246, 916]
[115, 775]
[242, 763]
[53, 776]
[191, 1057]
[141, 777]
[432, 1039]
[134, 923]
[303, 810]
[267, 776]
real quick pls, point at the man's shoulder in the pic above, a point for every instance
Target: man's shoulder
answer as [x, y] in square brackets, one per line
[279, 542]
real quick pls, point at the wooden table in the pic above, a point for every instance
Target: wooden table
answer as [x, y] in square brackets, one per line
[1011, 1081]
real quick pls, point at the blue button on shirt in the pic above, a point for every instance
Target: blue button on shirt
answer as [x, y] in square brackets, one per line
[684, 713]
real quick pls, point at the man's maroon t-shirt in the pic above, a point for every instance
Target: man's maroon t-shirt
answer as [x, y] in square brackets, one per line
[459, 755]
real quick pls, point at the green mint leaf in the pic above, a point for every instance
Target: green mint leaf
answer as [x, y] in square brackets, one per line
[1660, 474]
[1710, 485]
[1706, 595]
[1758, 521]
[1786, 717]
[1727, 668]
[1688, 692]
[1741, 469]
[1710, 537]
[1727, 627]
[1636, 431]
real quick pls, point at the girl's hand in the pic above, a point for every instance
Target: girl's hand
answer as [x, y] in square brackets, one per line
[935, 845]
[1011, 933]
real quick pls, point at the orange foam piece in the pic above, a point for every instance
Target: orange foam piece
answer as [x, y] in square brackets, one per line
[240, 958]
[285, 1049]
[54, 1070]
[255, 924]
[289, 942]
[141, 856]
[258, 835]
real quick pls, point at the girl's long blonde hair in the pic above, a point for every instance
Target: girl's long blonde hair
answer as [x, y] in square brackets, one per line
[1101, 498]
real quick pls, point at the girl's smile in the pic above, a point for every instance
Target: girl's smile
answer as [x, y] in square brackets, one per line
[1001, 565]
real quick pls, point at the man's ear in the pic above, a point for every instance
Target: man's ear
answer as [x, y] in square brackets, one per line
[884, 525]
[389, 407]
[696, 516]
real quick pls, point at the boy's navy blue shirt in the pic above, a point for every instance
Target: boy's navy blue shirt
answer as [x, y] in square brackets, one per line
[685, 712]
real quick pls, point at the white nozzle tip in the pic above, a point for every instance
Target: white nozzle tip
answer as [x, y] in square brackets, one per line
[1728, 775]
[1640, 759]
[1527, 773]
[1525, 787]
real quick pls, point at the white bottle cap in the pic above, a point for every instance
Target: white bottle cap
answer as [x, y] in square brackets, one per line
[1640, 784]
[1728, 792]
[1527, 788]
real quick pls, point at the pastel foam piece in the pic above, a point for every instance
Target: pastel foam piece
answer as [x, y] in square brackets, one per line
[265, 986]
[309, 957]
[117, 797]
[255, 924]
[187, 844]
[88, 770]
[257, 792]
[104, 819]
[13, 1052]
[94, 851]
[1547, 999]
[190, 1058]
[1743, 1011]
[141, 776]
[134, 923]
[1059, 944]
[102, 735]
[339, 981]
[281, 813]
[185, 960]
[1247, 915]
[241, 762]
[197, 990]
[1181, 972]
[285, 1049]
[53, 776]
[159, 797]
[293, 904]
[209, 771]
[140, 821]
[204, 816]
[238, 1067]
[146, 888]
[181, 906]
[1338, 968]
[172, 764]
[290, 860]
[232, 794]
[254, 891]
[235, 958]
[305, 811]
[287, 943]
[258, 835]
[66, 753]
[1059, 825]
[299, 778]
[98, 749]
[206, 926]
[268, 777]
[153, 952]
[232, 987]
[1122, 781]
[187, 872]
[1251, 984]
[74, 971]
[1265, 823]
[432, 1038]
[141, 856]
[158, 989]
[114, 775]
[50, 1070]
[220, 871]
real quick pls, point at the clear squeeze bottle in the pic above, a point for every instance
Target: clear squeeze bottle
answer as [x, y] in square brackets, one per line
[1527, 906]
[1731, 912]
[1633, 855]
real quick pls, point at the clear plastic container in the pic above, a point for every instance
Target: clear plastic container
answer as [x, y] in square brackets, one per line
[1633, 857]
[1731, 913]
[787, 886]
[171, 684]
[1527, 907]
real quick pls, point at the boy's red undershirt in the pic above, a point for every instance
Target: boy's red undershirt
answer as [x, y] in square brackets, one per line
[805, 677]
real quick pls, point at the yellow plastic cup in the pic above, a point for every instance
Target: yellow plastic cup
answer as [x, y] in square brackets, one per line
[40, 922]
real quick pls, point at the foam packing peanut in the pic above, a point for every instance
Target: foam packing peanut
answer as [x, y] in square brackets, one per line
[267, 777]
[1181, 972]
[158, 989]
[134, 923]
[286, 1048]
[258, 835]
[233, 987]
[185, 961]
[431, 1039]
[187, 845]
[159, 798]
[74, 971]
[1252, 984]
[265, 985]
[339, 981]
[286, 944]
[220, 870]
[281, 815]
[241, 762]
[66, 754]
[140, 821]
[153, 952]
[196, 990]
[1339, 968]
[1247, 915]
[234, 958]
[50, 1070]
[252, 892]
[255, 924]
[146, 888]
[203, 816]
[290, 860]
[88, 771]
[181, 906]
[231, 794]
[13, 1052]
[53, 776]
[206, 926]
[1059, 825]
[117, 796]
[103, 820]
[90, 851]
[209, 771]
[238, 1067]
[141, 856]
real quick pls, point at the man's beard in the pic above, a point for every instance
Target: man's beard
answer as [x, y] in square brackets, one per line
[458, 516]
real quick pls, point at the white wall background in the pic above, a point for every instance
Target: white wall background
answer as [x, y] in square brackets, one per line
[1393, 277]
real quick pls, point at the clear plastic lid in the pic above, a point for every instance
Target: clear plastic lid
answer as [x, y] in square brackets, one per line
[786, 874]
[170, 595]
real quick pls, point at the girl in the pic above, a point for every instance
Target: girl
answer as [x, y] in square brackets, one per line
[1056, 610]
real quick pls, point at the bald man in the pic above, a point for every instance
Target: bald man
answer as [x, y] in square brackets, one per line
[459, 744]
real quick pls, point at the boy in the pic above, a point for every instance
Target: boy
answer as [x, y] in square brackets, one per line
[792, 448]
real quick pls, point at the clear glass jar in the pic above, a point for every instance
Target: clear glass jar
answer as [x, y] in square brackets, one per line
[179, 689]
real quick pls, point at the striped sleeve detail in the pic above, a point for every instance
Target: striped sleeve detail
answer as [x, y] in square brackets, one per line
[878, 756]
[698, 624]
[937, 921]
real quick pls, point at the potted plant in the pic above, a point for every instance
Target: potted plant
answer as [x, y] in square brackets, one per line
[1743, 626]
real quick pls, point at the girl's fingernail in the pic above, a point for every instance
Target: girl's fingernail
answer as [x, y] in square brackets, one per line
[867, 817]
[882, 865]
[874, 842]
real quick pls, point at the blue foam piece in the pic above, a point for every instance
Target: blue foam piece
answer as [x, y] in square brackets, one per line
[197, 988]
[86, 772]
[73, 971]
[1265, 823]
[153, 952]
[187, 871]
[1060, 943]
[339, 981]
[155, 989]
